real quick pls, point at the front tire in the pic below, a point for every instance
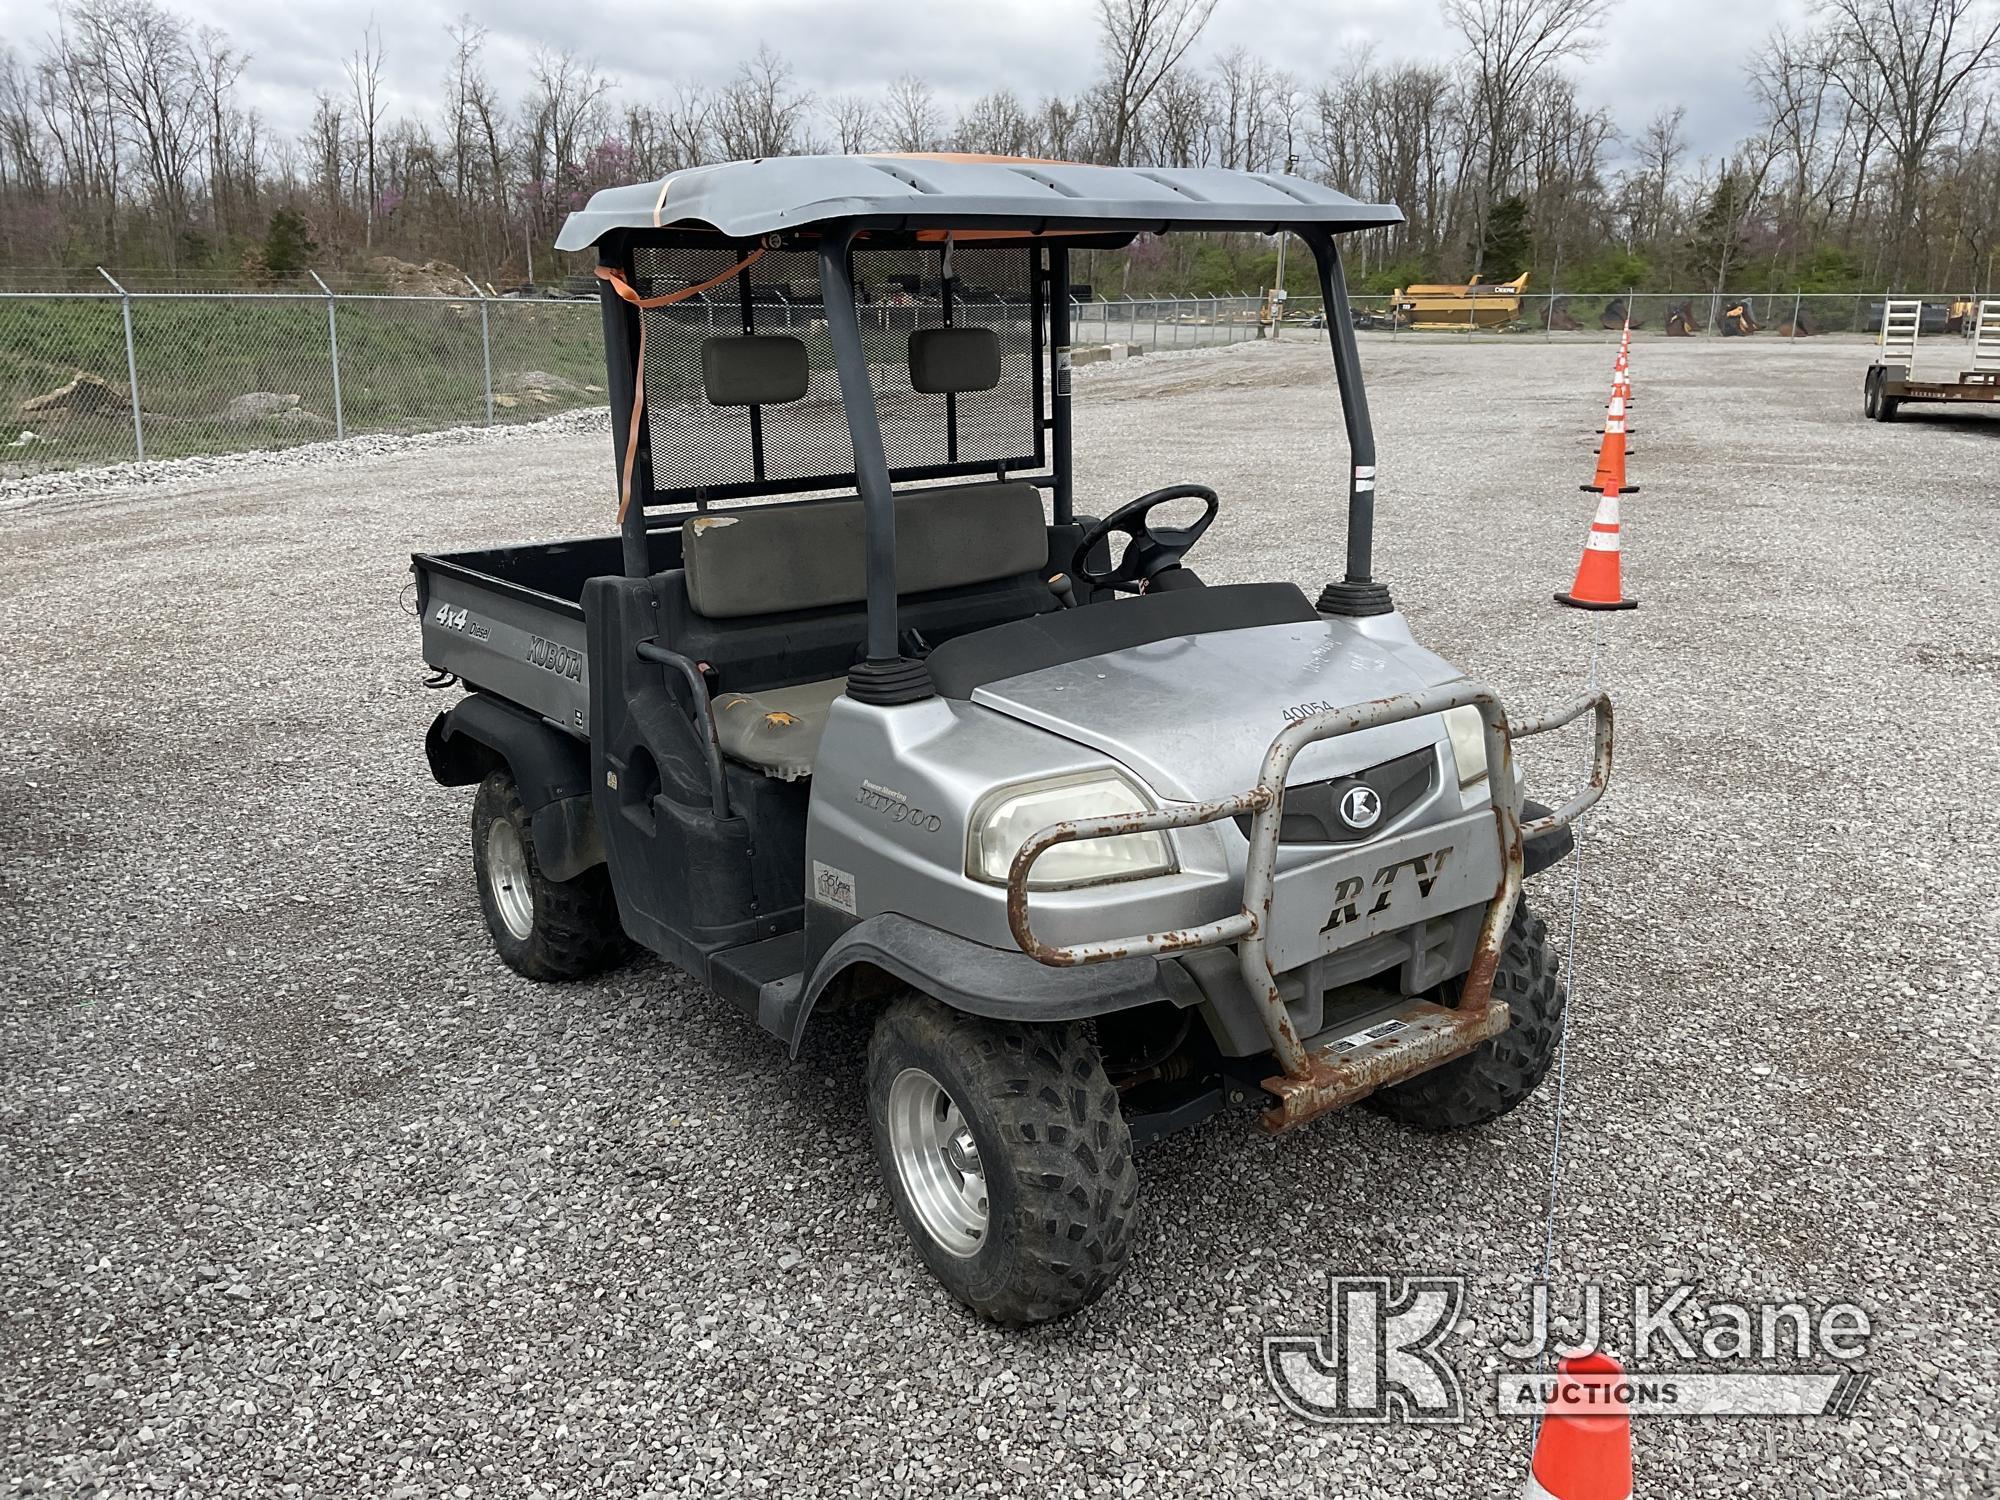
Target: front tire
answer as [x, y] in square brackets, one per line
[1499, 1073]
[544, 929]
[1007, 1157]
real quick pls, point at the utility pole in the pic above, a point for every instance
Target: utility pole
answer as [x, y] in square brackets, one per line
[1278, 291]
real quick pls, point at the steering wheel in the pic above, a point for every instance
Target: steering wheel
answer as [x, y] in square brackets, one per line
[1151, 550]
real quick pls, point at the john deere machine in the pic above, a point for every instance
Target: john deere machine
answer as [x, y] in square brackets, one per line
[1477, 304]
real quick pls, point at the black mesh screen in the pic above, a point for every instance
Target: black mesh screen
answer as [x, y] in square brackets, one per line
[699, 448]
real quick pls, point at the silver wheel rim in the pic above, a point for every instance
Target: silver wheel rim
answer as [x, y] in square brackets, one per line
[938, 1162]
[507, 874]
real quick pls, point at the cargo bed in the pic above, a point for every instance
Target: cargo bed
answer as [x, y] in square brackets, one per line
[509, 620]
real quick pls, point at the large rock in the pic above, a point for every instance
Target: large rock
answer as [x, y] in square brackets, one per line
[85, 393]
[259, 406]
[542, 380]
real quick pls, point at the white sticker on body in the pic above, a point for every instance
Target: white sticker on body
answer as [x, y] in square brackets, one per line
[1374, 1033]
[833, 887]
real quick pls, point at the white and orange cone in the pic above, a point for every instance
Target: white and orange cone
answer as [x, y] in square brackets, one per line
[1610, 473]
[1584, 1448]
[1621, 390]
[1597, 584]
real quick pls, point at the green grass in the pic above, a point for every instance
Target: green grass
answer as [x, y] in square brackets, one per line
[406, 366]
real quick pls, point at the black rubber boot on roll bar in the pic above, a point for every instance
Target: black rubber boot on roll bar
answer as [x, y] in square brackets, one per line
[889, 683]
[1355, 600]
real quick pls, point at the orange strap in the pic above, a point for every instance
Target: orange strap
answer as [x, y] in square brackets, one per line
[680, 294]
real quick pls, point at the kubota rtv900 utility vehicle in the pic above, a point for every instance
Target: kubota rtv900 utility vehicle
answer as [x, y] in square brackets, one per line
[870, 702]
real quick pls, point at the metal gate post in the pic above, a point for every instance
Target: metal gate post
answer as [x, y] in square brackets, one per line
[333, 353]
[485, 345]
[1797, 298]
[131, 365]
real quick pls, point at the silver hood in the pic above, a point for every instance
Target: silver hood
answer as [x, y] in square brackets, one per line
[1193, 716]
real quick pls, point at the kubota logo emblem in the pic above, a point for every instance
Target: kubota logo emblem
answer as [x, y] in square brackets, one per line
[1360, 807]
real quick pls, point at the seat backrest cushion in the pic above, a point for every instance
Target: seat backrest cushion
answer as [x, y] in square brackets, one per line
[954, 361]
[766, 369]
[762, 562]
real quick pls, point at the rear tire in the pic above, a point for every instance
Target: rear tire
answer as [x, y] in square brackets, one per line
[1876, 400]
[1497, 1074]
[545, 929]
[1007, 1157]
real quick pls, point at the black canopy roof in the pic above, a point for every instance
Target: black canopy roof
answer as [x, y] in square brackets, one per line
[975, 197]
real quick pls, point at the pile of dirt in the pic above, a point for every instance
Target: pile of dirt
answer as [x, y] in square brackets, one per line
[86, 393]
[434, 278]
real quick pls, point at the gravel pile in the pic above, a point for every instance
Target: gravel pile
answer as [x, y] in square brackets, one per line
[175, 473]
[304, 1193]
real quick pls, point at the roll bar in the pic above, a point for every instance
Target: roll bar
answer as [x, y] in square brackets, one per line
[1353, 409]
[884, 675]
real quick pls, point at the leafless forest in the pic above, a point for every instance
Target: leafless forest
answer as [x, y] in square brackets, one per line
[125, 140]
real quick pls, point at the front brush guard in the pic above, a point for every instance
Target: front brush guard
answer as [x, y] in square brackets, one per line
[1314, 1081]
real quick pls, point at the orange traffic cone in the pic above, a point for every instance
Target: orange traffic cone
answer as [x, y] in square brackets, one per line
[1621, 390]
[1584, 1448]
[1597, 585]
[1610, 473]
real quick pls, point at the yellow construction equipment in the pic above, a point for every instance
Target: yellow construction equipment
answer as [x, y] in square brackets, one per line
[1477, 304]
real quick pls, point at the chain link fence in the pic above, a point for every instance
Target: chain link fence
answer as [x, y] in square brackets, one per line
[227, 373]
[1853, 317]
[112, 376]
[1156, 323]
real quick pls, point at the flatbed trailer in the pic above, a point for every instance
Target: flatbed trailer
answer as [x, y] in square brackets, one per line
[1891, 382]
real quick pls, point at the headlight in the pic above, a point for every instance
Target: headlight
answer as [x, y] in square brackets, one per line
[1007, 818]
[1468, 743]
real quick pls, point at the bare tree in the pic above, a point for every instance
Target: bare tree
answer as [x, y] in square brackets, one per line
[1659, 150]
[761, 112]
[1059, 127]
[690, 125]
[23, 166]
[1877, 151]
[462, 80]
[74, 96]
[1178, 125]
[854, 123]
[147, 74]
[364, 83]
[1512, 45]
[326, 148]
[1903, 64]
[217, 68]
[564, 110]
[910, 116]
[1143, 41]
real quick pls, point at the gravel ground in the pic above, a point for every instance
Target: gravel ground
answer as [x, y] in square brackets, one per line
[304, 1193]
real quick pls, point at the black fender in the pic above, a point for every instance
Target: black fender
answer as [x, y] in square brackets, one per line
[995, 982]
[481, 733]
[1545, 849]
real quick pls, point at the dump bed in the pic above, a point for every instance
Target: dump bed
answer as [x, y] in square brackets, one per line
[509, 621]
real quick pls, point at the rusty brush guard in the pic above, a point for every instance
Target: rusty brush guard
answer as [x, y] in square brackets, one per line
[1313, 1082]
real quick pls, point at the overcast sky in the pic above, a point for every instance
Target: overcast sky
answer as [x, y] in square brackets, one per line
[1653, 54]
